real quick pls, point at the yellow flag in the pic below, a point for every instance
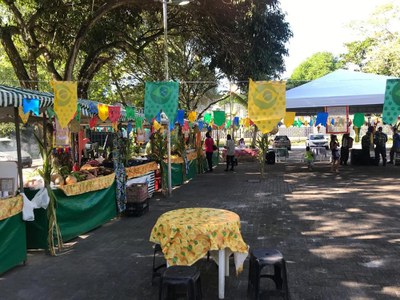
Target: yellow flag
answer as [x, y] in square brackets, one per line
[192, 116]
[65, 100]
[289, 118]
[24, 117]
[266, 103]
[103, 112]
[246, 122]
[156, 125]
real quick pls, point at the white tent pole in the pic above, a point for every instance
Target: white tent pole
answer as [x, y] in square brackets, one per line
[18, 139]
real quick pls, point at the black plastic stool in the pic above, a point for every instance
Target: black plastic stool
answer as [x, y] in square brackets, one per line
[156, 273]
[185, 277]
[260, 258]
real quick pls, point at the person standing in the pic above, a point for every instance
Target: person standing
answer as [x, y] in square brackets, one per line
[396, 145]
[209, 145]
[347, 143]
[380, 139]
[230, 152]
[334, 145]
[367, 145]
[309, 158]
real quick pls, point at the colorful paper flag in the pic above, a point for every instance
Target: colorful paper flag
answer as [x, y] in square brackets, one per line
[24, 117]
[103, 111]
[65, 100]
[266, 103]
[31, 105]
[114, 113]
[289, 118]
[219, 117]
[322, 119]
[130, 112]
[192, 116]
[359, 119]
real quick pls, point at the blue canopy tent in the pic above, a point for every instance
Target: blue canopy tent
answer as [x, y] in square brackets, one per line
[361, 92]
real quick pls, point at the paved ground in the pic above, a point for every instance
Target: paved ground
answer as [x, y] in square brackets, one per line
[339, 233]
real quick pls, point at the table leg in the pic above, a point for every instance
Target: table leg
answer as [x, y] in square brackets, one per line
[221, 273]
[226, 264]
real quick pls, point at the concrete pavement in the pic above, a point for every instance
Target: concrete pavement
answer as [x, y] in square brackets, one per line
[338, 232]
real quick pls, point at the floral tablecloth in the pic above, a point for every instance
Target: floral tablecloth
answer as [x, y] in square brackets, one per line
[10, 207]
[185, 235]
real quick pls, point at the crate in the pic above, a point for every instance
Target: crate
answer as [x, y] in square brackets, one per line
[137, 193]
[137, 209]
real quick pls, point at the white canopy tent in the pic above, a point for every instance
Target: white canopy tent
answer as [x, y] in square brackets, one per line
[362, 92]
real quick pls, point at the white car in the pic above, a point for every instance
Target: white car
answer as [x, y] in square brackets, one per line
[8, 152]
[317, 140]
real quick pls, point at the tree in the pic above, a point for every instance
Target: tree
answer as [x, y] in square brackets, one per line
[378, 50]
[90, 40]
[317, 65]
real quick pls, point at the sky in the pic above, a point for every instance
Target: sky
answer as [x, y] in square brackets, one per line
[320, 25]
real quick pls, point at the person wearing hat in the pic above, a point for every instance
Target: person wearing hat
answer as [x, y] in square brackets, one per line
[380, 139]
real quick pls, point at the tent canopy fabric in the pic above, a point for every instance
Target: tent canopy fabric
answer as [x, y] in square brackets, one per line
[362, 92]
[12, 96]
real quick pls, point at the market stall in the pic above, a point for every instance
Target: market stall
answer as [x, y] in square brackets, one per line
[12, 233]
[81, 207]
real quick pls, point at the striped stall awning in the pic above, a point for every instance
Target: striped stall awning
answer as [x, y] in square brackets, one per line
[12, 96]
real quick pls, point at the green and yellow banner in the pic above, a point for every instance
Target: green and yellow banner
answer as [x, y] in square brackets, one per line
[266, 103]
[65, 101]
[161, 96]
[391, 105]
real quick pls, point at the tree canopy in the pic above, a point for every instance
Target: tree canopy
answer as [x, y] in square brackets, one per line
[112, 46]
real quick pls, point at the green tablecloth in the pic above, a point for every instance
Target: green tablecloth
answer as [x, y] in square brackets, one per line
[12, 242]
[75, 215]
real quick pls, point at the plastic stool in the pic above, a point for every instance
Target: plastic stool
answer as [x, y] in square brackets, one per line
[156, 273]
[187, 277]
[260, 258]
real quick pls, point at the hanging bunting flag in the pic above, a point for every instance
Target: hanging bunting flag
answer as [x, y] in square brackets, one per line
[130, 112]
[161, 96]
[391, 105]
[156, 125]
[192, 116]
[332, 121]
[114, 113]
[207, 118]
[246, 122]
[219, 117]
[180, 117]
[322, 119]
[236, 121]
[50, 112]
[93, 109]
[102, 111]
[266, 103]
[31, 105]
[200, 125]
[93, 121]
[158, 117]
[359, 119]
[289, 118]
[129, 128]
[228, 124]
[65, 100]
[139, 122]
[24, 117]
[209, 128]
[78, 113]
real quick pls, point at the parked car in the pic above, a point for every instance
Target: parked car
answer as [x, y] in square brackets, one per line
[8, 152]
[317, 140]
[282, 141]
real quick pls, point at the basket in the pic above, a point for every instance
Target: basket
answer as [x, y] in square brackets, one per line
[137, 193]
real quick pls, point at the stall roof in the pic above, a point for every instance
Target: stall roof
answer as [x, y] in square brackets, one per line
[362, 92]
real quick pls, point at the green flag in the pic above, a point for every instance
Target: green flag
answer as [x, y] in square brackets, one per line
[138, 122]
[207, 118]
[130, 113]
[358, 120]
[219, 117]
[161, 96]
[78, 113]
[391, 105]
[228, 124]
[50, 112]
